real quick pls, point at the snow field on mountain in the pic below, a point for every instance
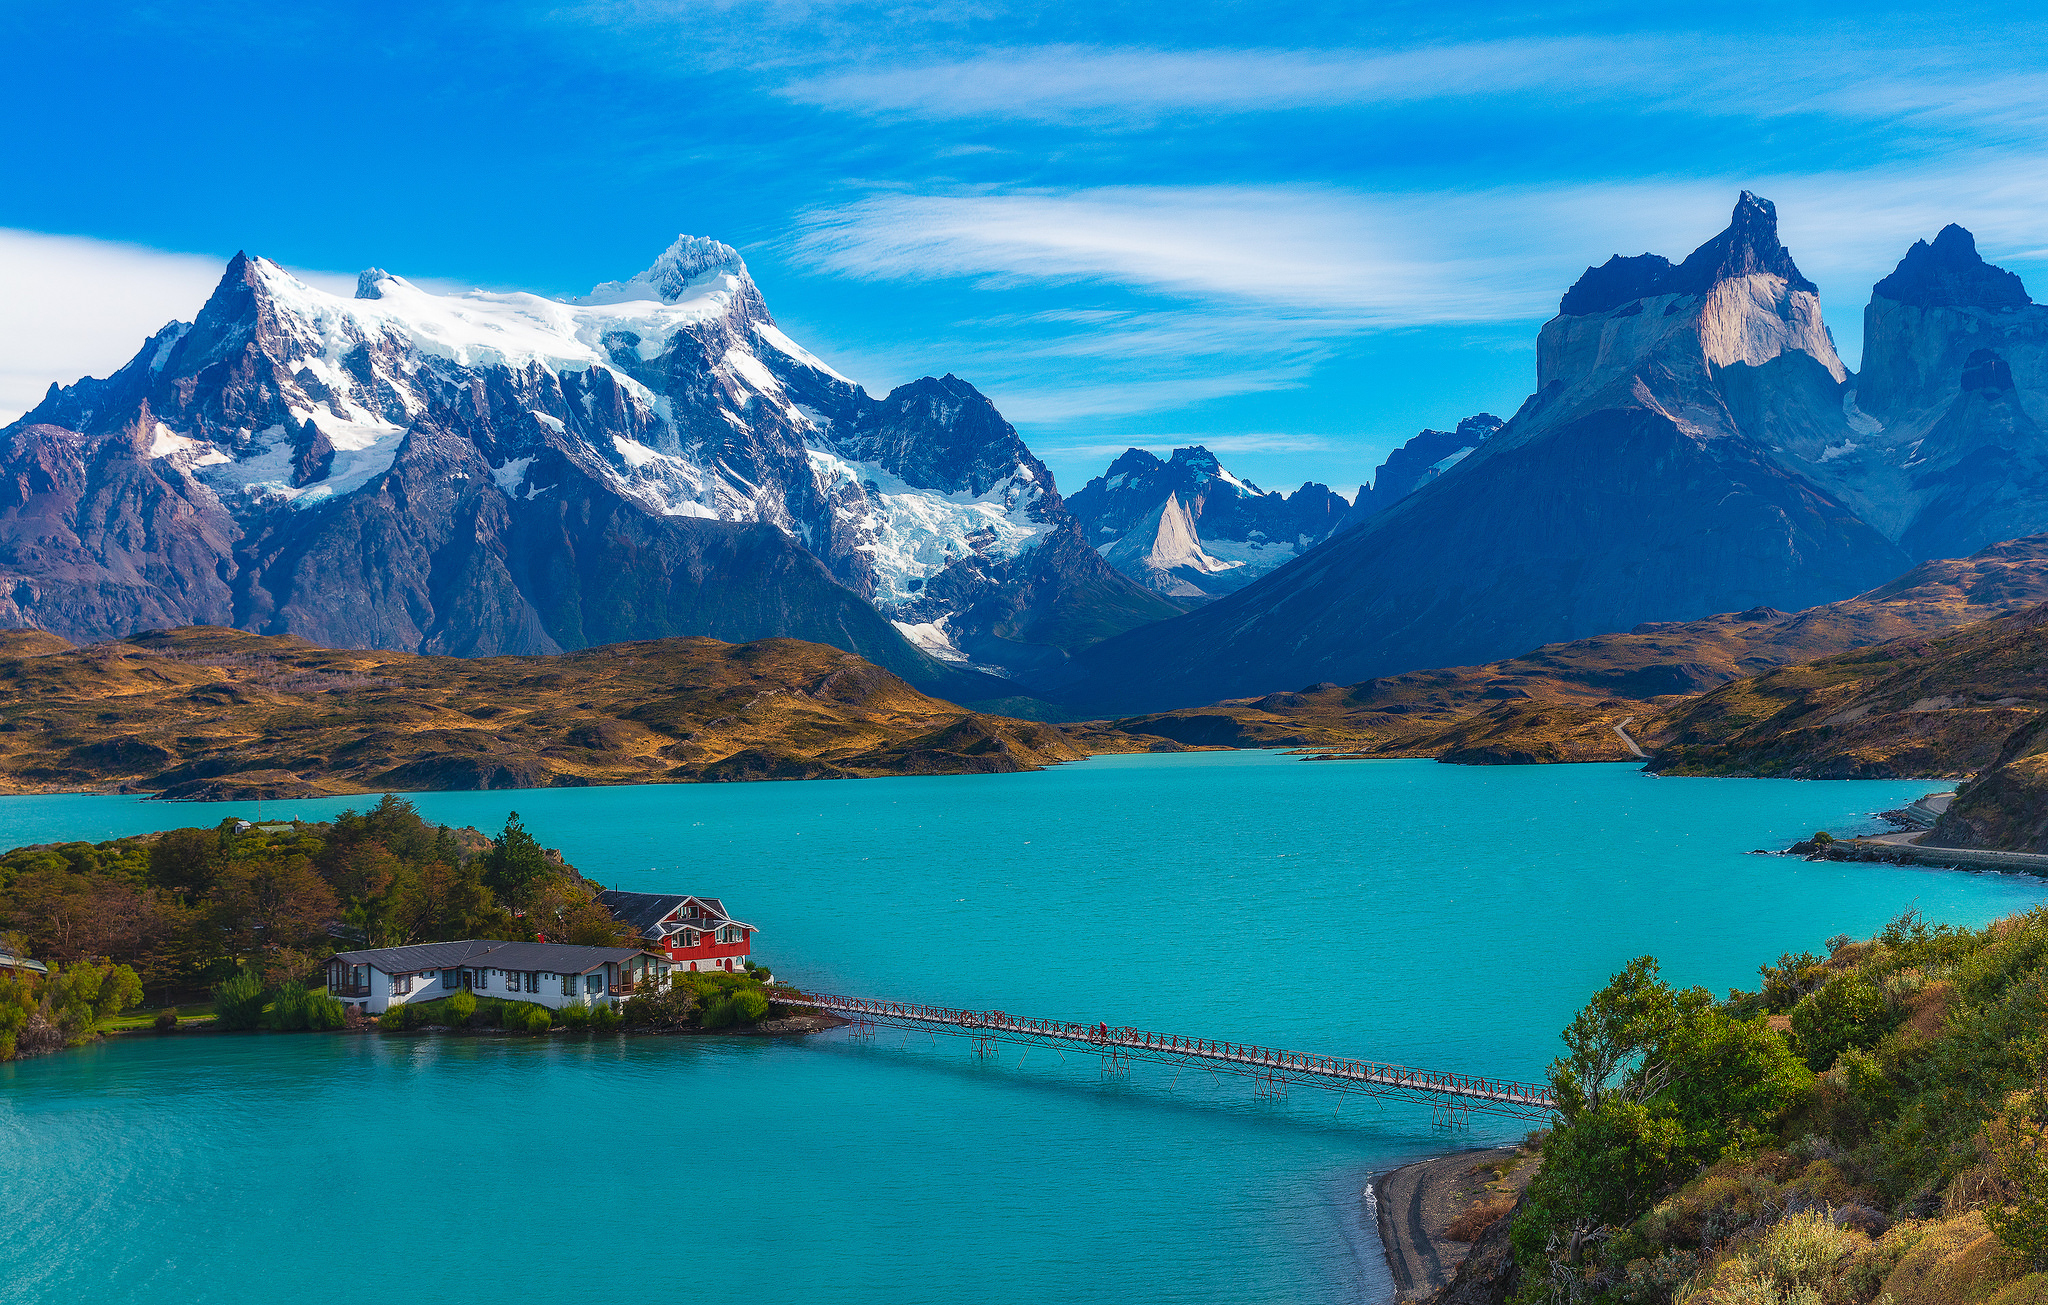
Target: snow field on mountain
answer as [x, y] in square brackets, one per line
[912, 534]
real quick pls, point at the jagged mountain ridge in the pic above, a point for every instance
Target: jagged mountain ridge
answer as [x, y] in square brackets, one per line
[1187, 528]
[1247, 530]
[1641, 482]
[486, 473]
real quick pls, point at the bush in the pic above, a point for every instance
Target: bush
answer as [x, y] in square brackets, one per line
[167, 1018]
[576, 1016]
[238, 1001]
[524, 1017]
[324, 1012]
[289, 1009]
[1846, 1011]
[604, 1018]
[397, 1019]
[456, 1010]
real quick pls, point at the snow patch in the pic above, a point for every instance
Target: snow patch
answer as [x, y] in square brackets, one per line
[932, 638]
[512, 475]
[548, 419]
[1842, 450]
[1859, 421]
[911, 534]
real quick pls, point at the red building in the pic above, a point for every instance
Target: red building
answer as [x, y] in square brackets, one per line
[695, 933]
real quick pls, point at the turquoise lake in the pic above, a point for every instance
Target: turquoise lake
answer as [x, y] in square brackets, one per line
[1433, 915]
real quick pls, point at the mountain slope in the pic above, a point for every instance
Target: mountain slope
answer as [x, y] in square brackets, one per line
[1582, 688]
[1632, 486]
[481, 473]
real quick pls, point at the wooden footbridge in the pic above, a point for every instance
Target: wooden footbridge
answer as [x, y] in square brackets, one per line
[1272, 1070]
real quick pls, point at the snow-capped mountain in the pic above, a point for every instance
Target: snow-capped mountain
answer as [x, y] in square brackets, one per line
[1187, 528]
[484, 472]
[1651, 476]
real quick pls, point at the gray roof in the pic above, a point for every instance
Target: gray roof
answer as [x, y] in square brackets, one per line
[9, 961]
[557, 958]
[646, 910]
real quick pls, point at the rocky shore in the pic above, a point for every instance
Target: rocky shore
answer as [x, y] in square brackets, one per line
[1435, 1214]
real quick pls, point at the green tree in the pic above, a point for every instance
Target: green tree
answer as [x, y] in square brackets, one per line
[1654, 1083]
[515, 864]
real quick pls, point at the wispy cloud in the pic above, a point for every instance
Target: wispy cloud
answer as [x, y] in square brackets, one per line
[1714, 75]
[1340, 260]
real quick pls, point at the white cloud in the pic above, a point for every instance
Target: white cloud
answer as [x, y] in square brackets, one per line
[71, 307]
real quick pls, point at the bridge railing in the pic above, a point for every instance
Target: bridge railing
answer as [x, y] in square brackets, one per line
[1517, 1098]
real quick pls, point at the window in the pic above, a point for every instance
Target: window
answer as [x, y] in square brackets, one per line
[593, 983]
[568, 985]
[401, 984]
[533, 980]
[451, 978]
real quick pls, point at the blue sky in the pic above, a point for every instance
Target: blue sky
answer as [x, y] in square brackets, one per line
[1295, 236]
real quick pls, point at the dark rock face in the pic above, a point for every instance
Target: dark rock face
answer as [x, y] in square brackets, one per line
[1950, 273]
[517, 475]
[1422, 460]
[1596, 508]
[1749, 246]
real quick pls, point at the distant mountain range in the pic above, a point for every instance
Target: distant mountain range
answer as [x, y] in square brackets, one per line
[481, 473]
[1694, 445]
[1190, 530]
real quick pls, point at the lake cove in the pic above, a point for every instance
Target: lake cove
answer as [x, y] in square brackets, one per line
[1434, 915]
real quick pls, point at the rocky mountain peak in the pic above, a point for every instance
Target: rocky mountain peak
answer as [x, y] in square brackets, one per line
[1950, 273]
[1747, 247]
[366, 282]
[684, 265]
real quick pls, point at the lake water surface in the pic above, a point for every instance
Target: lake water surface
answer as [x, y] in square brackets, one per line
[1433, 915]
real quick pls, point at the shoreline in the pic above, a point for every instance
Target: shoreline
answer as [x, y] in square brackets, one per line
[1414, 1203]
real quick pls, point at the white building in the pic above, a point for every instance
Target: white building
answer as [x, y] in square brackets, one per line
[548, 974]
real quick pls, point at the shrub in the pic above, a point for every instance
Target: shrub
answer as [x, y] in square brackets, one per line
[1468, 1226]
[2019, 1149]
[576, 1016]
[289, 1009]
[324, 1012]
[456, 1010]
[604, 1018]
[1846, 1011]
[524, 1017]
[397, 1019]
[238, 1001]
[167, 1018]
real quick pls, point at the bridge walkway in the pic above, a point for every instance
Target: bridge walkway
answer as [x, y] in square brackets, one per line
[1271, 1067]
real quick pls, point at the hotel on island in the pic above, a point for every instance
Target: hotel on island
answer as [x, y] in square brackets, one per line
[678, 932]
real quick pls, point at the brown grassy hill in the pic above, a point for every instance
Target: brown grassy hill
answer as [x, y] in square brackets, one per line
[203, 712]
[1937, 706]
[1584, 687]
